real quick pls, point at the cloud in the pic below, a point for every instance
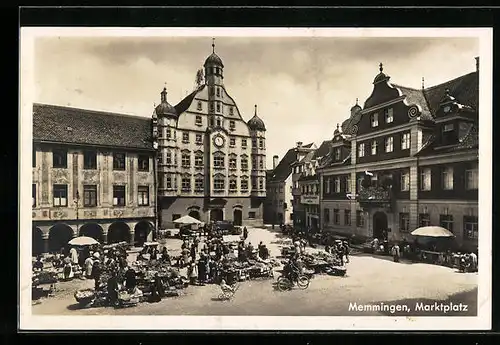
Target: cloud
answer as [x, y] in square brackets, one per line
[303, 86]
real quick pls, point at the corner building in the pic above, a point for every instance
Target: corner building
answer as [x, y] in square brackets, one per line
[211, 162]
[92, 175]
[420, 149]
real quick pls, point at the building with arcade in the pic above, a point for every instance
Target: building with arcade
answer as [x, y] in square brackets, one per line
[92, 175]
[211, 162]
[407, 158]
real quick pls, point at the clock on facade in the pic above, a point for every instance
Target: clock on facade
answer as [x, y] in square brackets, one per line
[447, 109]
[218, 141]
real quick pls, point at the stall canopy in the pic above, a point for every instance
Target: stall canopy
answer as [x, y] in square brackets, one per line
[187, 220]
[432, 231]
[82, 241]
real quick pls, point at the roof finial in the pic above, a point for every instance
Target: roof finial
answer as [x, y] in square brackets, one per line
[213, 45]
[381, 67]
[255, 109]
[356, 104]
[337, 126]
[447, 91]
[423, 83]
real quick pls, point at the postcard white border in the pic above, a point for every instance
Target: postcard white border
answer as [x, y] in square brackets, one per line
[27, 321]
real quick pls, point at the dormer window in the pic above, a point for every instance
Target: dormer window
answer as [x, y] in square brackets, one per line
[218, 92]
[361, 150]
[231, 110]
[449, 134]
[198, 120]
[389, 116]
[337, 154]
[232, 125]
[374, 120]
[199, 106]
[218, 107]
[219, 122]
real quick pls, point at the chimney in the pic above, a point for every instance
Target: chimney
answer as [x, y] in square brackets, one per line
[275, 161]
[299, 143]
[477, 63]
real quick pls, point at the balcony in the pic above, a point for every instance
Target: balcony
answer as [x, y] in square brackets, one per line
[374, 197]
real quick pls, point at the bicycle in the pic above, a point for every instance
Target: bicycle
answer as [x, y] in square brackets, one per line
[285, 283]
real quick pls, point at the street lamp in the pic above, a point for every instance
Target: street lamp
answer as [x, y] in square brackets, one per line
[77, 202]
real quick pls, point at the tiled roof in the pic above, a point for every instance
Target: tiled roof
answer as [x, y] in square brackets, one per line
[323, 149]
[308, 157]
[465, 89]
[470, 140]
[53, 123]
[414, 96]
[284, 169]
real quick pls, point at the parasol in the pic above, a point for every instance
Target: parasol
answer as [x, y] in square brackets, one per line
[432, 231]
[187, 220]
[82, 241]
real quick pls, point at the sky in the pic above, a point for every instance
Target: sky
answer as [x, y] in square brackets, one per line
[303, 86]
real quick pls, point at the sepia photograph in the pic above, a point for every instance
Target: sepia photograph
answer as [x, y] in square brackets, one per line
[255, 178]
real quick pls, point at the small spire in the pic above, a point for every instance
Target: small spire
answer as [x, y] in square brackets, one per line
[213, 45]
[164, 93]
[356, 104]
[255, 109]
[381, 67]
[337, 126]
[423, 83]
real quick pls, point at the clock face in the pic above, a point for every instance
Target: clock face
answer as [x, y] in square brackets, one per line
[447, 109]
[218, 141]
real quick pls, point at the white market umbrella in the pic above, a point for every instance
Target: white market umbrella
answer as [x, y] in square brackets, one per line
[432, 231]
[82, 241]
[187, 220]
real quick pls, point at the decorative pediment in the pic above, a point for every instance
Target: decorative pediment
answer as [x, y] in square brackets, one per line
[233, 155]
[198, 175]
[198, 152]
[219, 154]
[244, 155]
[219, 175]
[185, 151]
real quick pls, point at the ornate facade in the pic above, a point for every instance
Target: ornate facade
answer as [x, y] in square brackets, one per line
[408, 158]
[92, 175]
[211, 162]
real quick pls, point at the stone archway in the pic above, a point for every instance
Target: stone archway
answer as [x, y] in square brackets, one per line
[195, 214]
[59, 236]
[379, 225]
[237, 217]
[93, 230]
[118, 232]
[37, 243]
[141, 232]
[216, 215]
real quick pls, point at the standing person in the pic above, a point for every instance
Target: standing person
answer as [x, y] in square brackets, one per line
[347, 250]
[396, 252]
[96, 274]
[191, 272]
[201, 270]
[245, 233]
[88, 267]
[196, 242]
[193, 252]
[130, 279]
[73, 255]
[112, 287]
[473, 258]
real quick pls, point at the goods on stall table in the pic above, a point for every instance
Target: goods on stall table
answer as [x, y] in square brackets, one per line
[85, 297]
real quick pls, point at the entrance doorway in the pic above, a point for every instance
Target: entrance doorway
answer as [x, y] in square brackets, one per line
[379, 225]
[314, 223]
[237, 217]
[59, 236]
[195, 214]
[141, 232]
[118, 232]
[216, 215]
[37, 244]
[93, 230]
